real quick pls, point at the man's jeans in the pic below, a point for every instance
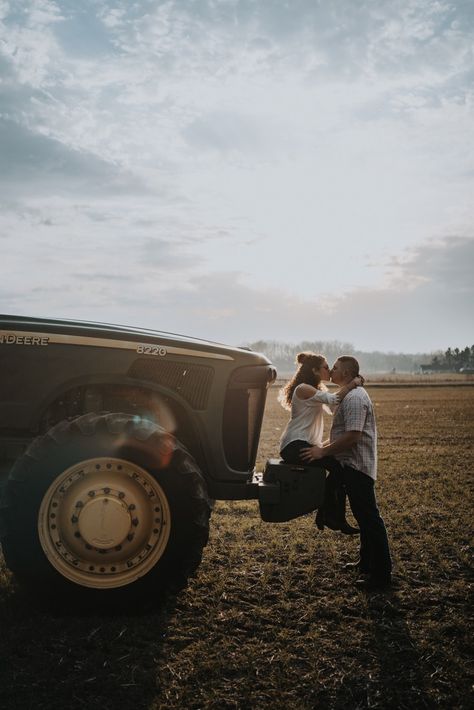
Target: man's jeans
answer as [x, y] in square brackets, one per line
[374, 548]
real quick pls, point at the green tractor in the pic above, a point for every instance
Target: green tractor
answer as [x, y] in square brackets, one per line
[114, 443]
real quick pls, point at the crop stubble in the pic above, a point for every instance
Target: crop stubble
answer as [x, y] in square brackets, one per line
[272, 619]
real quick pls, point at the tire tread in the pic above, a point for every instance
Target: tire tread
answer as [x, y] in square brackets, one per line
[143, 433]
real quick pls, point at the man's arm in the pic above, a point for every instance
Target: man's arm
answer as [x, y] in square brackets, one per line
[342, 443]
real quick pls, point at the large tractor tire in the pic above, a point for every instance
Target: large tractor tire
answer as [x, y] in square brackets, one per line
[107, 508]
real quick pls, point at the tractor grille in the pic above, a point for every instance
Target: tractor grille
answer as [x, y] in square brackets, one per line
[192, 382]
[243, 413]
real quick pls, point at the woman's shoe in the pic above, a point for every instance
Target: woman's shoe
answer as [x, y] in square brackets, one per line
[348, 529]
[342, 525]
[323, 519]
[319, 520]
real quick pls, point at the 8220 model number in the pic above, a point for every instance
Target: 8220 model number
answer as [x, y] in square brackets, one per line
[151, 350]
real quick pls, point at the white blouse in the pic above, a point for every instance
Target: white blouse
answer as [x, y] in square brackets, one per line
[306, 420]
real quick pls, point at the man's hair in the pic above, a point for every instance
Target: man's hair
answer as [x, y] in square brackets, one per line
[349, 365]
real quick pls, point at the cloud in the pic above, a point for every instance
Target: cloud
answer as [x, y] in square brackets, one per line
[83, 31]
[225, 131]
[224, 166]
[441, 265]
[427, 303]
[166, 254]
[29, 157]
[151, 80]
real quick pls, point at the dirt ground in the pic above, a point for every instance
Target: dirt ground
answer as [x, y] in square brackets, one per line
[272, 619]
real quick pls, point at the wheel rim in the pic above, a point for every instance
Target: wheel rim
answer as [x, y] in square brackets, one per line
[104, 523]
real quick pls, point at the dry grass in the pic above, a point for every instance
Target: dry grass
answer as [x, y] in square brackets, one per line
[447, 379]
[272, 620]
[438, 378]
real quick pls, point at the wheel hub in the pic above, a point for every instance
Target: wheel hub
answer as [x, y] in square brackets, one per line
[104, 522]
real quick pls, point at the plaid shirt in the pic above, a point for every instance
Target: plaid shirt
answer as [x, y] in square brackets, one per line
[356, 413]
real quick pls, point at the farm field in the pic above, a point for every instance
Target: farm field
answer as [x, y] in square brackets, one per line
[272, 620]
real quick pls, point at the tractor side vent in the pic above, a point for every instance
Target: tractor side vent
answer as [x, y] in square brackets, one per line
[192, 382]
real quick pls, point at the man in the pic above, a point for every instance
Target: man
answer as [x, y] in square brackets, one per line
[353, 442]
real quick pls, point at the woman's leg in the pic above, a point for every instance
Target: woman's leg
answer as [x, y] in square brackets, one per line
[291, 452]
[332, 514]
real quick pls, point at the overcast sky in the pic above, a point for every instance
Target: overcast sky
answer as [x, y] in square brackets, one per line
[241, 169]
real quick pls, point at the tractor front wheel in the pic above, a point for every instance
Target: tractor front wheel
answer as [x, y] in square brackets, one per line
[105, 506]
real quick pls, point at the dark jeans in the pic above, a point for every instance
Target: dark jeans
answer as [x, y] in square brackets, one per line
[374, 547]
[292, 454]
[334, 495]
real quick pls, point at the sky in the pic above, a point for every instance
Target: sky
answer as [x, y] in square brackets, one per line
[241, 170]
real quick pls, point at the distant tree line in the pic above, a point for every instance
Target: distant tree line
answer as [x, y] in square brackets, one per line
[453, 360]
[283, 355]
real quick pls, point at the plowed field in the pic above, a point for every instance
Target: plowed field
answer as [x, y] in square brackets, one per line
[272, 619]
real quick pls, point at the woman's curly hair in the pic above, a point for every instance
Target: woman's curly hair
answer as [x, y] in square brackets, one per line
[308, 362]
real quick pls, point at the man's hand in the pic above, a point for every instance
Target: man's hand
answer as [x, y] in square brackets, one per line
[312, 453]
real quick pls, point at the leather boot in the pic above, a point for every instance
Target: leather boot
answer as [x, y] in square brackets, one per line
[332, 514]
[344, 525]
[319, 520]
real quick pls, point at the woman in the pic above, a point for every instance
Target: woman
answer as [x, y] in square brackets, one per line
[306, 396]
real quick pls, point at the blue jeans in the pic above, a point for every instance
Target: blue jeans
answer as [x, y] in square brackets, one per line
[374, 548]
